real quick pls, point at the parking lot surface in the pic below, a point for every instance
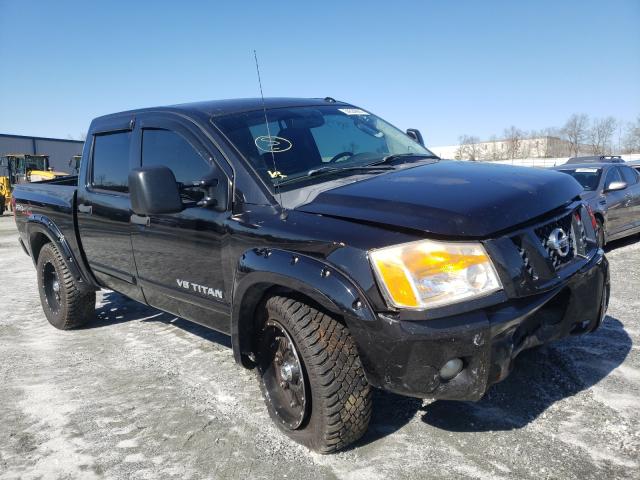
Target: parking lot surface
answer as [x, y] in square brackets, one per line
[141, 394]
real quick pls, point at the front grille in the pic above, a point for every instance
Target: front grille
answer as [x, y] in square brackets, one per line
[557, 238]
[526, 260]
[540, 254]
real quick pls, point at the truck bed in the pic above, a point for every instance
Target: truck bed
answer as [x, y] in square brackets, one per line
[59, 191]
[52, 200]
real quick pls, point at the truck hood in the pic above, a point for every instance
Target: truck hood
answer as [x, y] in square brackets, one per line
[450, 198]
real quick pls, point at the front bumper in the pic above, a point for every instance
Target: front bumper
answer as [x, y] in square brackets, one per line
[405, 357]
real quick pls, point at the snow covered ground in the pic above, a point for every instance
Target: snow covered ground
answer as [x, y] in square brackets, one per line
[141, 394]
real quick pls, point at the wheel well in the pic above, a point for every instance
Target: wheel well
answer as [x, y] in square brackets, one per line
[251, 313]
[38, 240]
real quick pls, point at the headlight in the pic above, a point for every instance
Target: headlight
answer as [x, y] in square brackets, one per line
[430, 273]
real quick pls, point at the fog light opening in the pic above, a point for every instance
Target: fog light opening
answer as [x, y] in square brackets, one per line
[451, 369]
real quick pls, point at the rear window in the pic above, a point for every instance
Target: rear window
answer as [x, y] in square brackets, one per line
[589, 178]
[110, 169]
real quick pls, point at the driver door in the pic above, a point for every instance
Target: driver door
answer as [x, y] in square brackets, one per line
[616, 200]
[178, 255]
[633, 195]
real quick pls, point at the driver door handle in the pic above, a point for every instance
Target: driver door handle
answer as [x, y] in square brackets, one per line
[627, 199]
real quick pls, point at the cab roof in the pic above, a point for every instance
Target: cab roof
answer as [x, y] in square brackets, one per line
[573, 166]
[218, 108]
[23, 155]
[596, 159]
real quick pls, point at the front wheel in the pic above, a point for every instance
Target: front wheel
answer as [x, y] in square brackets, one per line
[64, 305]
[311, 377]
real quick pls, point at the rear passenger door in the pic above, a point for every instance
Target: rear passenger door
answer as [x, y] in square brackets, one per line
[178, 256]
[103, 209]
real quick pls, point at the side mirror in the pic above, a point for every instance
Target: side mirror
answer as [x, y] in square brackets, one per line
[154, 190]
[613, 186]
[416, 135]
[217, 191]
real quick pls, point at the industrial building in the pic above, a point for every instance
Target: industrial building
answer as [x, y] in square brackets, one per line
[59, 150]
[538, 147]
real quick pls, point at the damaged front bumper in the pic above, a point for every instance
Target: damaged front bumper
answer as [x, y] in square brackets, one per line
[406, 356]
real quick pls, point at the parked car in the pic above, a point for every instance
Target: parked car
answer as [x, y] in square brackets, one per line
[613, 193]
[337, 251]
[634, 164]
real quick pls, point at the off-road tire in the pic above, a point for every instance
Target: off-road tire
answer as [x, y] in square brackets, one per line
[340, 407]
[76, 307]
[600, 233]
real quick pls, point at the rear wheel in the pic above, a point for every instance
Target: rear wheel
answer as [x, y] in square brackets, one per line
[600, 232]
[311, 377]
[63, 303]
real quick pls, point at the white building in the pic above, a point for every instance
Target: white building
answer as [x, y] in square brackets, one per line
[538, 147]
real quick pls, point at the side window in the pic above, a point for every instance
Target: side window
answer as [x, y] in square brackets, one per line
[110, 167]
[164, 147]
[613, 175]
[630, 176]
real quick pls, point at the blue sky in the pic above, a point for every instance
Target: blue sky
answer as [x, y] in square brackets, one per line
[447, 68]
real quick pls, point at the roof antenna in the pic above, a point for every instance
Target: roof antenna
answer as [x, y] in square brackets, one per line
[283, 214]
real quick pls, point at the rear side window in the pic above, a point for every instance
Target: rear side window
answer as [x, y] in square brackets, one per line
[110, 169]
[630, 176]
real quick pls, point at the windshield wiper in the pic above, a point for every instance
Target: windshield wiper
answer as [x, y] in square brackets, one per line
[322, 170]
[396, 156]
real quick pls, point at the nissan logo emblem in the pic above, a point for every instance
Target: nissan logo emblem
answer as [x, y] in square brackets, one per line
[559, 241]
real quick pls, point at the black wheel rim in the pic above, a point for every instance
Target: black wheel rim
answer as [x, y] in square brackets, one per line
[283, 375]
[51, 285]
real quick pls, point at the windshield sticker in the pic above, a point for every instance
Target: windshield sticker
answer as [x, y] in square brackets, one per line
[586, 170]
[273, 144]
[353, 111]
[276, 174]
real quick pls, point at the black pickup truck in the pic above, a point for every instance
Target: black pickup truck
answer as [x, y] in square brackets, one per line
[337, 251]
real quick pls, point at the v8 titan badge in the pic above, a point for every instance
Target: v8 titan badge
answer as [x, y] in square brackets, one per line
[272, 144]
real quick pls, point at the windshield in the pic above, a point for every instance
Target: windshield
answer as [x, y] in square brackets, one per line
[36, 163]
[589, 178]
[301, 140]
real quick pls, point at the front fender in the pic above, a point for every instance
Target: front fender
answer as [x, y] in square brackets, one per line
[262, 269]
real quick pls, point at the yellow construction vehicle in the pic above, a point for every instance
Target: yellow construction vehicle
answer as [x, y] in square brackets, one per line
[18, 168]
[5, 192]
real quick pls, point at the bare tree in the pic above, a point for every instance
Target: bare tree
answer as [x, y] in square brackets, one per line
[494, 151]
[575, 131]
[513, 138]
[600, 135]
[469, 148]
[632, 137]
